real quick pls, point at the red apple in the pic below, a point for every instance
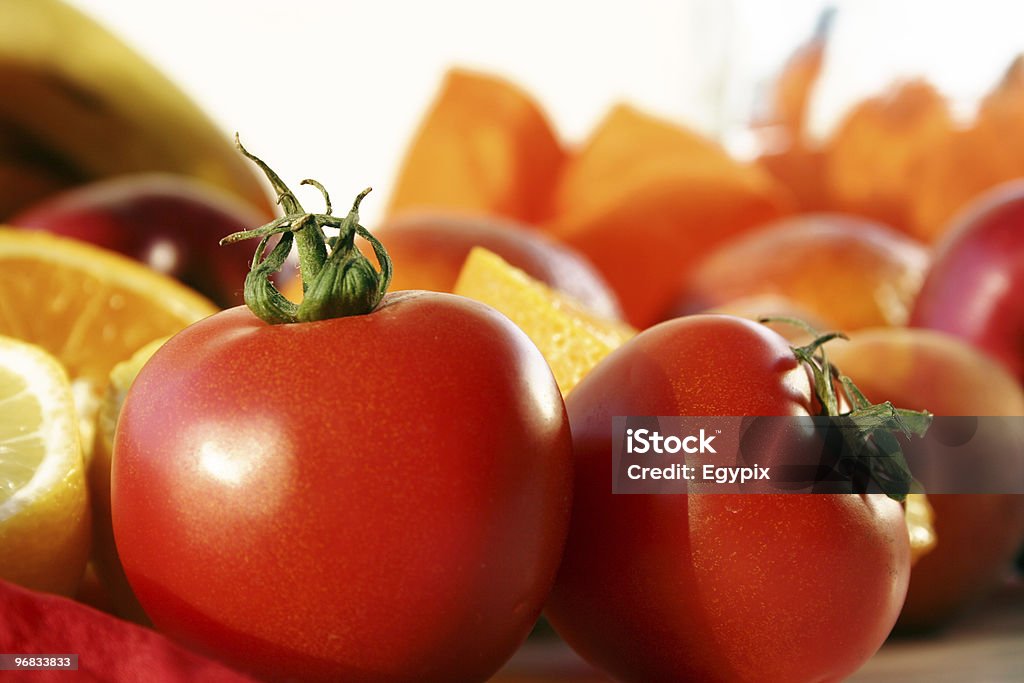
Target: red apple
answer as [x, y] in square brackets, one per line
[171, 223]
[975, 287]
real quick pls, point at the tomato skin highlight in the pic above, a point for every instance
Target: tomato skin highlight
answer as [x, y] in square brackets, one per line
[373, 498]
[718, 587]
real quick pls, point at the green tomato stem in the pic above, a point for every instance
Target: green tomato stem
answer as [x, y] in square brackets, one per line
[337, 280]
[869, 430]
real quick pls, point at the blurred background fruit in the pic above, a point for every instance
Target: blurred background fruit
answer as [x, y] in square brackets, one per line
[484, 146]
[640, 190]
[977, 535]
[171, 223]
[78, 104]
[971, 159]
[778, 312]
[881, 147]
[787, 151]
[44, 510]
[975, 287]
[846, 272]
[644, 199]
[906, 137]
[428, 249]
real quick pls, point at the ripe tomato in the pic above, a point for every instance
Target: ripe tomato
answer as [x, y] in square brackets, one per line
[754, 587]
[381, 497]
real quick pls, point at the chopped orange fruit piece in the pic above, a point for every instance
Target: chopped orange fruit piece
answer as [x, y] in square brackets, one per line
[571, 338]
[485, 146]
[880, 149]
[974, 160]
[791, 92]
[789, 156]
[645, 199]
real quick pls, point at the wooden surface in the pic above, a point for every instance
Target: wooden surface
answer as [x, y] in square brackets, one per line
[987, 646]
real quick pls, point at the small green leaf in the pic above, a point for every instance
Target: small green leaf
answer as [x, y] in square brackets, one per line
[869, 431]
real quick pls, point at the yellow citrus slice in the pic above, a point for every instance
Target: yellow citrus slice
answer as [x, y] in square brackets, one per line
[89, 307]
[105, 559]
[44, 508]
[920, 518]
[571, 338]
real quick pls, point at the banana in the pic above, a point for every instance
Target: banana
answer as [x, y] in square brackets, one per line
[77, 104]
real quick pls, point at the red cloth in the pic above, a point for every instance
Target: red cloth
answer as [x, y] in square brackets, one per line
[109, 650]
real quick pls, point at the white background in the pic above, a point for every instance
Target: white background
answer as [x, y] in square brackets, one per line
[364, 72]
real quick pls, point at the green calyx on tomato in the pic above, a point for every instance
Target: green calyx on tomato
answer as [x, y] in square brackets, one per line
[337, 280]
[869, 430]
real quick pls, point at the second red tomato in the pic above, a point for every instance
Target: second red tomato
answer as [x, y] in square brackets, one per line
[718, 587]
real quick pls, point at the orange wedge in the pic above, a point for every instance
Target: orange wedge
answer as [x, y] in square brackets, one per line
[645, 199]
[484, 147]
[88, 307]
[571, 338]
[881, 147]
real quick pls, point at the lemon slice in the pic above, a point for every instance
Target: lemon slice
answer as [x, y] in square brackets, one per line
[89, 307]
[44, 511]
[571, 338]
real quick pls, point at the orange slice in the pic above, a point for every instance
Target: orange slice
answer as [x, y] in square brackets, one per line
[88, 307]
[571, 338]
[485, 147]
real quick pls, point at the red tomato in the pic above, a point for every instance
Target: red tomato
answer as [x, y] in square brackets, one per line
[709, 587]
[381, 497]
